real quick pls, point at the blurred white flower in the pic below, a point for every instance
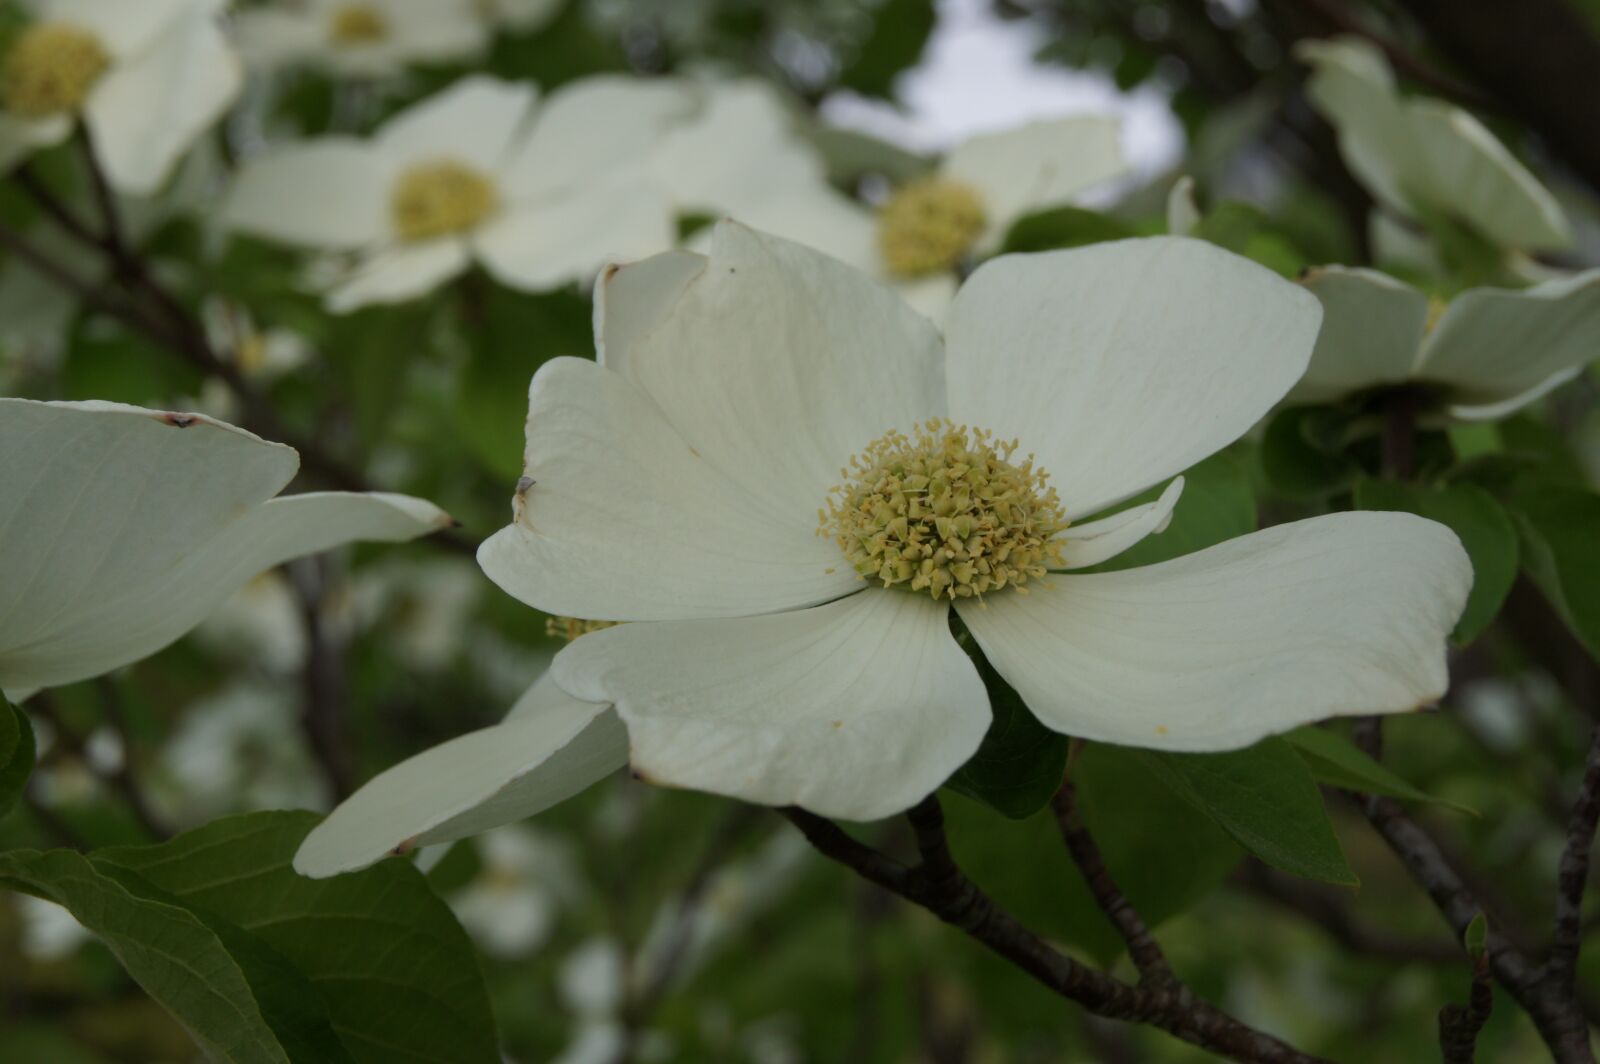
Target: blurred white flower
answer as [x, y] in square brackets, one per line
[261, 354]
[518, 16]
[540, 195]
[780, 666]
[1486, 353]
[360, 38]
[1423, 157]
[140, 522]
[511, 906]
[147, 77]
[49, 932]
[259, 624]
[426, 606]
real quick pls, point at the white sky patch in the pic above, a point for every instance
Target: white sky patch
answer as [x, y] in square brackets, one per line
[978, 75]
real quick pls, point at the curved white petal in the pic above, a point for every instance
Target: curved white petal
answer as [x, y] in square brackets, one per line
[778, 363]
[550, 747]
[856, 709]
[1039, 165]
[396, 274]
[1352, 86]
[569, 238]
[1334, 616]
[1183, 214]
[327, 193]
[1124, 363]
[819, 217]
[475, 121]
[435, 30]
[268, 37]
[1372, 328]
[124, 29]
[128, 621]
[146, 112]
[929, 296]
[1098, 541]
[595, 127]
[1507, 407]
[21, 137]
[1493, 345]
[618, 518]
[1471, 175]
[630, 298]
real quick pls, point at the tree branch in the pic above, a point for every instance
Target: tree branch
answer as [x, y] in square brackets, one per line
[939, 886]
[1573, 877]
[1459, 1024]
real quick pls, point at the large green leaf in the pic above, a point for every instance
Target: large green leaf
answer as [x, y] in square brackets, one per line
[1064, 227]
[1265, 797]
[395, 971]
[1019, 764]
[900, 30]
[1217, 505]
[1486, 532]
[241, 1004]
[1337, 762]
[16, 754]
[1302, 454]
[1560, 530]
[1162, 852]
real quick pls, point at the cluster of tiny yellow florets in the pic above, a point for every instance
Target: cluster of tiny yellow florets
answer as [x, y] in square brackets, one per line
[440, 197]
[50, 69]
[358, 24]
[570, 628]
[946, 511]
[928, 225]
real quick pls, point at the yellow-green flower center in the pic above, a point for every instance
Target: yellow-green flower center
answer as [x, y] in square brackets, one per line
[928, 225]
[570, 628]
[1436, 309]
[441, 197]
[356, 24]
[947, 511]
[50, 69]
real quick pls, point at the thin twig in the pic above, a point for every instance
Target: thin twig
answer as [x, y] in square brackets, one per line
[944, 890]
[1142, 946]
[322, 716]
[1459, 1024]
[1573, 877]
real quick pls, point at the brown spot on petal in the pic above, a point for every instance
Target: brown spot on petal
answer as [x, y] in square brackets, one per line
[524, 483]
[610, 271]
[404, 848]
[1309, 273]
[179, 421]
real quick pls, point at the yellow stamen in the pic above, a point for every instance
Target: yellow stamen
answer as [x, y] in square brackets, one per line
[570, 628]
[436, 198]
[1436, 309]
[358, 24]
[50, 69]
[947, 511]
[928, 225]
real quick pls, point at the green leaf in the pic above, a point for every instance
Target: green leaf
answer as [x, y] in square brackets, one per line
[243, 1007]
[1337, 762]
[16, 755]
[1263, 796]
[1246, 231]
[1486, 531]
[1163, 853]
[900, 30]
[1064, 227]
[395, 971]
[1019, 764]
[1559, 527]
[1476, 936]
[1300, 457]
[1217, 505]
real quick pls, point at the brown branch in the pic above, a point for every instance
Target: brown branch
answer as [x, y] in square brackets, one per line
[940, 887]
[322, 716]
[1142, 946]
[1573, 876]
[1459, 1024]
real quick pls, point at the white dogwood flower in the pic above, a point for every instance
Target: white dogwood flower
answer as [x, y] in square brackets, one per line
[539, 194]
[361, 38]
[1486, 353]
[146, 79]
[122, 528]
[1423, 157]
[680, 482]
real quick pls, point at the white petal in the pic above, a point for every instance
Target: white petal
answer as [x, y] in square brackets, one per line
[1098, 541]
[1121, 364]
[124, 29]
[474, 121]
[146, 112]
[550, 747]
[1506, 407]
[856, 709]
[819, 217]
[930, 296]
[779, 363]
[1352, 86]
[21, 137]
[268, 37]
[435, 30]
[396, 274]
[569, 238]
[1372, 328]
[1039, 165]
[1471, 175]
[128, 621]
[525, 16]
[630, 299]
[1182, 212]
[1334, 616]
[1496, 344]
[619, 519]
[594, 127]
[327, 193]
